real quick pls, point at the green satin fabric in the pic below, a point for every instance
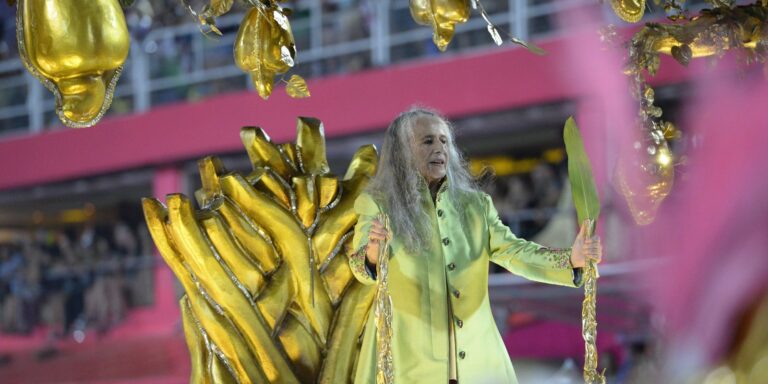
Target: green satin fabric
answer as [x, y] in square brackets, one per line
[454, 267]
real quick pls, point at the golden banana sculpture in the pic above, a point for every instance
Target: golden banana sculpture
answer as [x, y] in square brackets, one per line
[77, 50]
[270, 297]
[264, 46]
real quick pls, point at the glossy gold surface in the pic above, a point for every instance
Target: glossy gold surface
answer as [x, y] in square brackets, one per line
[630, 11]
[264, 46]
[269, 293]
[77, 49]
[442, 16]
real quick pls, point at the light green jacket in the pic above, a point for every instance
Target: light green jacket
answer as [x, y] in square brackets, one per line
[421, 284]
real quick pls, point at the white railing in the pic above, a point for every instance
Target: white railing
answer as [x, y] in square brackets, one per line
[176, 64]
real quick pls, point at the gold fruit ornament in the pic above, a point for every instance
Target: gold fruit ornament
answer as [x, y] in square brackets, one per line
[264, 46]
[270, 297]
[442, 16]
[77, 50]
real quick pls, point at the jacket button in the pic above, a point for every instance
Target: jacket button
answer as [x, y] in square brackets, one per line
[456, 293]
[462, 355]
[446, 241]
[440, 213]
[459, 323]
[451, 266]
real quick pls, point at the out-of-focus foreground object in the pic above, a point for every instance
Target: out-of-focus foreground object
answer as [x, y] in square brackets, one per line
[711, 291]
[77, 50]
[270, 297]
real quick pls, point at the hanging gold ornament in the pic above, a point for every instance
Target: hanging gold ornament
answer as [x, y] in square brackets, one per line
[264, 46]
[647, 181]
[630, 11]
[207, 16]
[442, 16]
[77, 50]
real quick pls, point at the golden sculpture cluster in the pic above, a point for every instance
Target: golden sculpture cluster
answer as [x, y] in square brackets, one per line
[78, 49]
[645, 177]
[269, 295]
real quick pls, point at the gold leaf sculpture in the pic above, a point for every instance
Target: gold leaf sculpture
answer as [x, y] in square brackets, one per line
[645, 177]
[270, 297]
[442, 16]
[297, 87]
[264, 46]
[77, 50]
[207, 16]
[630, 11]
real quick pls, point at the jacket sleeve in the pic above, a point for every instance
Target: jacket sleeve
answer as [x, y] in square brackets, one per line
[366, 209]
[526, 258]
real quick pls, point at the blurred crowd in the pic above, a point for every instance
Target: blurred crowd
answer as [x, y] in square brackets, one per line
[73, 279]
[184, 65]
[527, 201]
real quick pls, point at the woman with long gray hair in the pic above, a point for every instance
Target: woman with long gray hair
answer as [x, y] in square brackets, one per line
[442, 235]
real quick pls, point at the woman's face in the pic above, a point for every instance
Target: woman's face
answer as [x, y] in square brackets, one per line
[430, 148]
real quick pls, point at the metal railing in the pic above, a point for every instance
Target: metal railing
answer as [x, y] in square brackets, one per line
[178, 63]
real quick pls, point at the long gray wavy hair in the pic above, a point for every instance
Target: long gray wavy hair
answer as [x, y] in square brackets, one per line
[397, 185]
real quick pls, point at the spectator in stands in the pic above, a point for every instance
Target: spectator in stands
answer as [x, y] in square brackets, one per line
[546, 186]
[128, 248]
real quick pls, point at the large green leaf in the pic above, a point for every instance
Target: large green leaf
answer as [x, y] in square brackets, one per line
[580, 173]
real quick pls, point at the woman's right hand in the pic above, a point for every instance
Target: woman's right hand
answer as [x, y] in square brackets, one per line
[376, 235]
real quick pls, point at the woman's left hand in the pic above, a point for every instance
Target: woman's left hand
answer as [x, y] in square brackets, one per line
[585, 248]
